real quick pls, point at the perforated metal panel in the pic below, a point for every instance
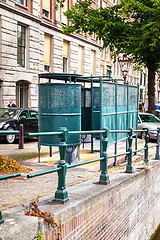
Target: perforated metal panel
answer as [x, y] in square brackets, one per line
[119, 108]
[108, 108]
[132, 98]
[133, 105]
[96, 97]
[59, 106]
[108, 99]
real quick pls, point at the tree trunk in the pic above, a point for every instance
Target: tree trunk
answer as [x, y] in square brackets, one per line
[151, 89]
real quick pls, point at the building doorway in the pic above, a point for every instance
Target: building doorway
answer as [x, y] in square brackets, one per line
[22, 94]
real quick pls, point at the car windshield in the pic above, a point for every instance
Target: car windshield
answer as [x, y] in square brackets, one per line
[8, 113]
[149, 118]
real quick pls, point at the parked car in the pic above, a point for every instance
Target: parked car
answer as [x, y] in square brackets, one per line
[11, 118]
[147, 120]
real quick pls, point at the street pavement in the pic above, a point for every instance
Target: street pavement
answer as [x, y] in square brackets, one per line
[20, 190]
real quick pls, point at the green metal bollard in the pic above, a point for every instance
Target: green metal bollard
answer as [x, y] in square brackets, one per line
[146, 146]
[104, 177]
[1, 220]
[158, 144]
[61, 194]
[129, 168]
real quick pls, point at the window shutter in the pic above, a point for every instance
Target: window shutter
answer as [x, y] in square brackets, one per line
[47, 50]
[46, 5]
[64, 9]
[65, 49]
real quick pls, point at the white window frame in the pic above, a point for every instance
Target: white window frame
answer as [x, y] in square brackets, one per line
[21, 2]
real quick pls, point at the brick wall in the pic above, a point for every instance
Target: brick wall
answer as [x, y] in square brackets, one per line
[126, 209]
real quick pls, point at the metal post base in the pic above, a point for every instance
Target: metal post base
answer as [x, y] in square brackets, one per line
[129, 169]
[61, 196]
[104, 179]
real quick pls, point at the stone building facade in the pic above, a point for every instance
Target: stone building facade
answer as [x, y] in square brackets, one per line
[32, 41]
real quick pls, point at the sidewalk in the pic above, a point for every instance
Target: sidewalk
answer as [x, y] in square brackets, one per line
[19, 190]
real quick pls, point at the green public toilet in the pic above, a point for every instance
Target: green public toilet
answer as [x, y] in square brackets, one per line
[59, 106]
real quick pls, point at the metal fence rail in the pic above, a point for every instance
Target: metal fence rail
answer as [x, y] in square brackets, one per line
[61, 194]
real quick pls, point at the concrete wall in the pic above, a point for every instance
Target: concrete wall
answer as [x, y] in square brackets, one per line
[127, 209]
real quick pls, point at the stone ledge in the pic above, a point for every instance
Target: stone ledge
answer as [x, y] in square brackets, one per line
[17, 226]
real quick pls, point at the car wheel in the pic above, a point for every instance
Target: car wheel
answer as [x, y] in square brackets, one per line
[10, 138]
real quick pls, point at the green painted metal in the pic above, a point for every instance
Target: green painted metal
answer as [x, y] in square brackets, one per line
[129, 168]
[1, 219]
[92, 105]
[86, 162]
[61, 193]
[146, 146]
[86, 118]
[158, 144]
[104, 177]
[9, 176]
[115, 149]
[59, 133]
[119, 108]
[59, 105]
[67, 77]
[43, 134]
[138, 150]
[154, 145]
[4, 132]
[101, 118]
[119, 154]
[96, 107]
[113, 105]
[43, 172]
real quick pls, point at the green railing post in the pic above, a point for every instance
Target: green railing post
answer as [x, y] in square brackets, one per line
[158, 144]
[104, 177]
[61, 194]
[129, 168]
[146, 146]
[1, 219]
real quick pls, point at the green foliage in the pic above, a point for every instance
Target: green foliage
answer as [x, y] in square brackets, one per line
[40, 236]
[131, 27]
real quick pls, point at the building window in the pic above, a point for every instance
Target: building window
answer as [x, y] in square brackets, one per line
[102, 70]
[103, 54]
[47, 53]
[46, 8]
[80, 60]
[65, 56]
[64, 9]
[93, 62]
[108, 71]
[21, 42]
[22, 2]
[22, 94]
